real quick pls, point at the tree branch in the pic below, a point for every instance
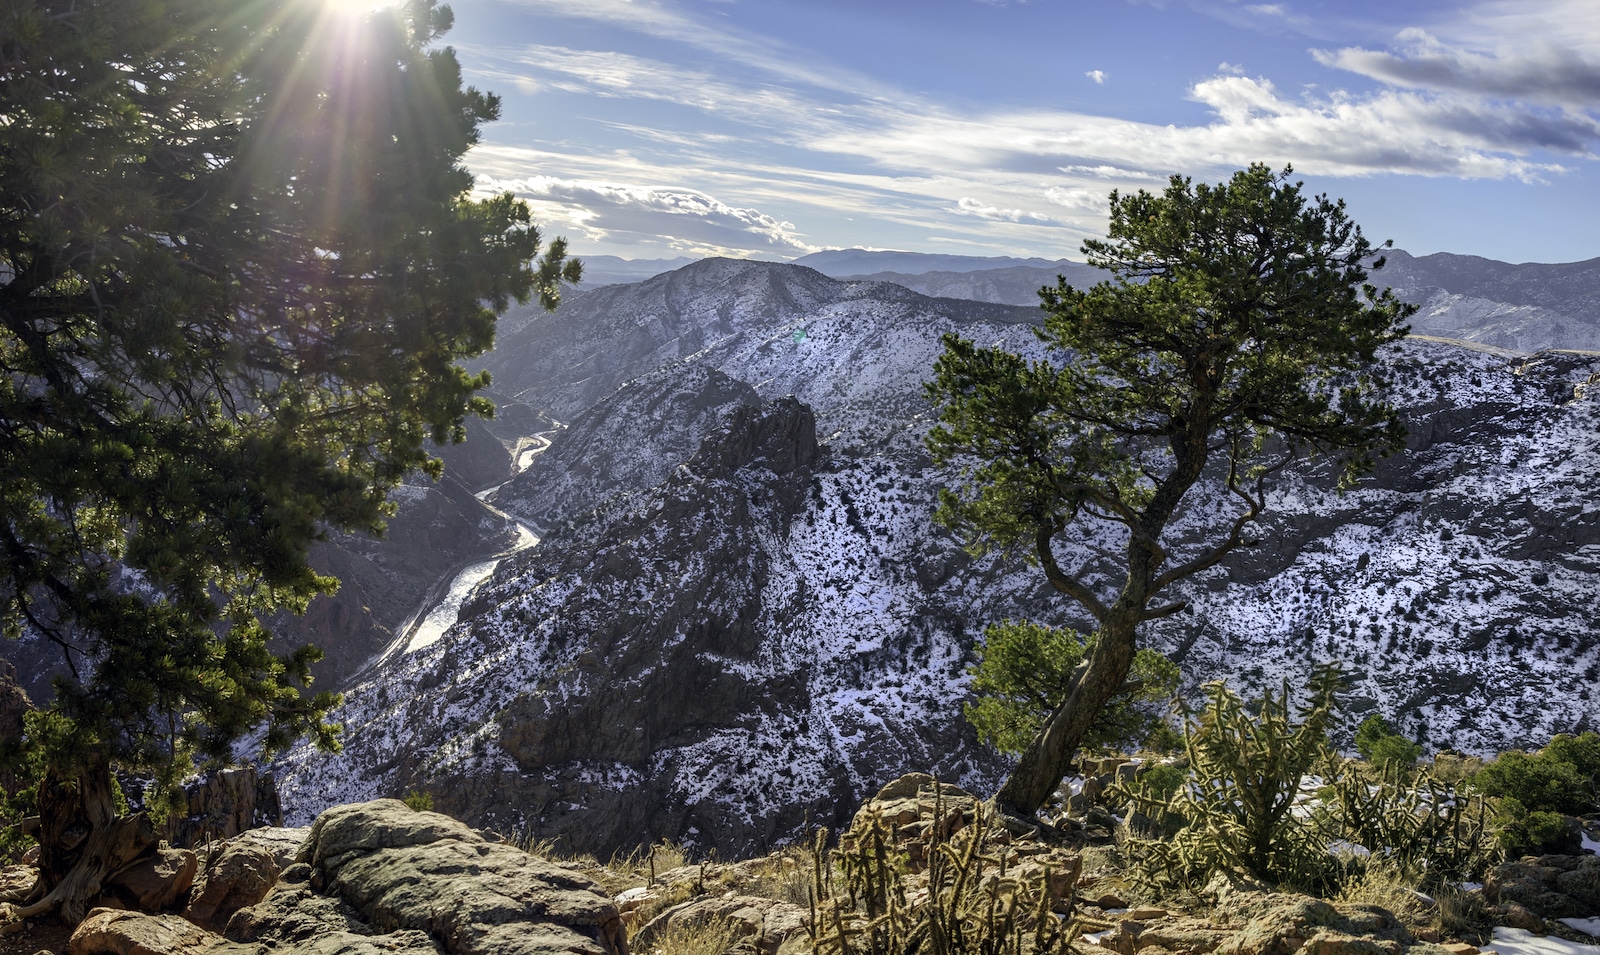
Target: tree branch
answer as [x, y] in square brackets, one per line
[1063, 581]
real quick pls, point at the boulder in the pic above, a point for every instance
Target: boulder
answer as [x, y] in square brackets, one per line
[760, 926]
[381, 868]
[1552, 887]
[118, 932]
[157, 879]
[296, 918]
[241, 872]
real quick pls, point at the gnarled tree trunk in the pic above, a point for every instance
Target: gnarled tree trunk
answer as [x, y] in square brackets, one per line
[82, 840]
[1049, 757]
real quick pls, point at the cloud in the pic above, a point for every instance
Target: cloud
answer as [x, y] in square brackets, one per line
[1099, 76]
[967, 206]
[1387, 132]
[658, 19]
[1543, 73]
[1080, 200]
[628, 214]
[621, 75]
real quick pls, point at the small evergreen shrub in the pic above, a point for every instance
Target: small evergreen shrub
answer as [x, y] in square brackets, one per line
[1025, 670]
[1564, 777]
[1535, 790]
[418, 800]
[1379, 744]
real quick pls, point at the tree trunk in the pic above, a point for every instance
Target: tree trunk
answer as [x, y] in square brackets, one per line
[82, 840]
[1048, 758]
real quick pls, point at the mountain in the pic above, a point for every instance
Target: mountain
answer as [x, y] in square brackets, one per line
[1017, 285]
[1523, 307]
[743, 618]
[839, 263]
[610, 270]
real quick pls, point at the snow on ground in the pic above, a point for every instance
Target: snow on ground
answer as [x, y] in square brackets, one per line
[1517, 941]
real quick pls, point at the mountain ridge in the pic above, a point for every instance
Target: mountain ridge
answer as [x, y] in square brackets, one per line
[826, 622]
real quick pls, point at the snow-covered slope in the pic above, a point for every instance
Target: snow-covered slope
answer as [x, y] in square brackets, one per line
[752, 629]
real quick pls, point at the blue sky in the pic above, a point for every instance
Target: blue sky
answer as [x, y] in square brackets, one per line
[657, 128]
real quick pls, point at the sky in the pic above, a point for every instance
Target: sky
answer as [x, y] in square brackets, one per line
[774, 128]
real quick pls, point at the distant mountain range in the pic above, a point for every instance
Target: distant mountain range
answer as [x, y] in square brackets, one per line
[838, 263]
[1524, 307]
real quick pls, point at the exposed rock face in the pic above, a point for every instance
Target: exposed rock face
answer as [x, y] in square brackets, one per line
[119, 932]
[223, 804]
[762, 632]
[603, 451]
[720, 677]
[1552, 887]
[377, 877]
[158, 880]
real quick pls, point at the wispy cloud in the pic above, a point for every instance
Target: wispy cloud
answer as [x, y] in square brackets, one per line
[968, 206]
[664, 21]
[1099, 76]
[689, 221]
[1542, 73]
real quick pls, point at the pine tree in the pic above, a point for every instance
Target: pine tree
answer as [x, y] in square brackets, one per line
[1238, 333]
[238, 264]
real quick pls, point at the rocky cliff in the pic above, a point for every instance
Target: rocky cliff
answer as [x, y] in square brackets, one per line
[738, 623]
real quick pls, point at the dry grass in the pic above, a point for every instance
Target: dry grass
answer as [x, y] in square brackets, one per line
[711, 937]
[1394, 889]
[784, 876]
[640, 867]
[1464, 915]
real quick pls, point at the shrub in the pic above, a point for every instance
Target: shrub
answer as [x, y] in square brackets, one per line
[1378, 743]
[1416, 824]
[1536, 789]
[1025, 670]
[418, 800]
[1241, 807]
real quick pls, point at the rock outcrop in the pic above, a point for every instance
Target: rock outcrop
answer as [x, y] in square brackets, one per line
[240, 872]
[1550, 887]
[378, 877]
[224, 803]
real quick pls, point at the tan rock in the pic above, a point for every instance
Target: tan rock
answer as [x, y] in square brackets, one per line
[158, 879]
[239, 873]
[1329, 942]
[113, 932]
[1460, 948]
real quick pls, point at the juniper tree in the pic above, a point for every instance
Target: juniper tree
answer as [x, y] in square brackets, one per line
[238, 263]
[1237, 333]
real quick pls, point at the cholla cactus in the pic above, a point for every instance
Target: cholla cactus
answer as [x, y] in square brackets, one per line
[1238, 805]
[1422, 824]
[965, 903]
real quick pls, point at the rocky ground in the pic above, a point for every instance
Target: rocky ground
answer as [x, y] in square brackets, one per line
[382, 877]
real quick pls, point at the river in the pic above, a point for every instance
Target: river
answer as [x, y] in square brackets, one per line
[442, 607]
